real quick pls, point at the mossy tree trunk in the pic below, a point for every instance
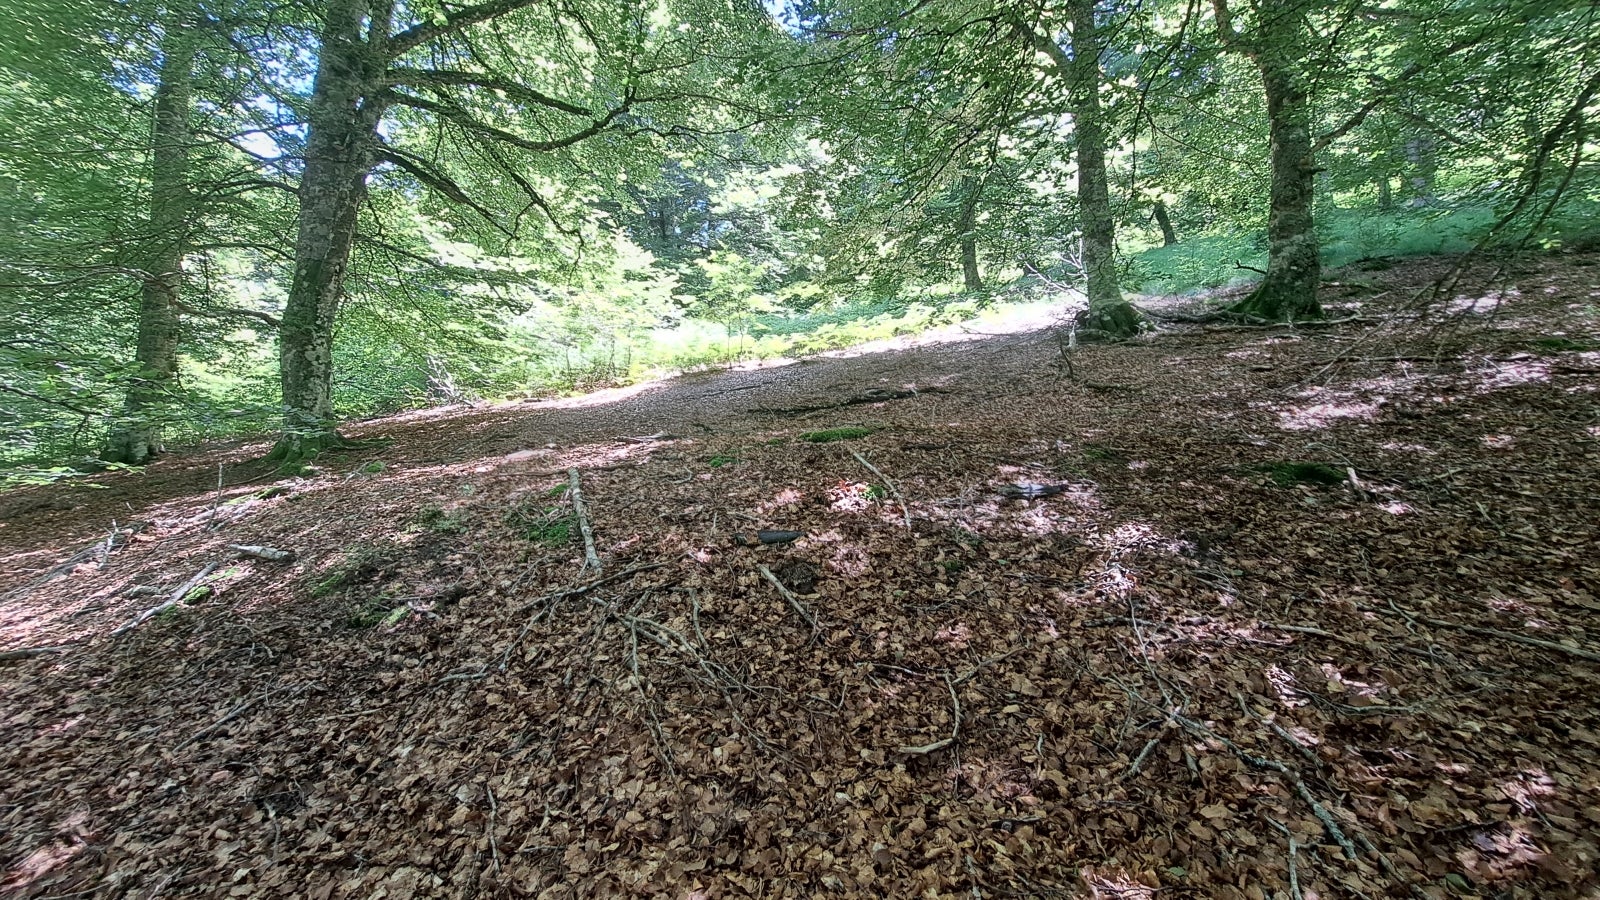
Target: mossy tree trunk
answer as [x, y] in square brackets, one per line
[971, 278]
[1169, 235]
[1108, 311]
[137, 437]
[1294, 262]
[346, 105]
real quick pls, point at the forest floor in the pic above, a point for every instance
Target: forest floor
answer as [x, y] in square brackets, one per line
[1131, 643]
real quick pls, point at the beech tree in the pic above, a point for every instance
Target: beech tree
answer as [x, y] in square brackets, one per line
[467, 69]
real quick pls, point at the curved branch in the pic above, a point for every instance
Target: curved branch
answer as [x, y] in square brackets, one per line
[403, 76]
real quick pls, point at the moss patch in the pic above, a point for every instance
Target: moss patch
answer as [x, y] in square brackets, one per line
[846, 433]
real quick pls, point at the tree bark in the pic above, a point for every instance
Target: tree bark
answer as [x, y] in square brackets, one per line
[971, 278]
[137, 437]
[1164, 221]
[1108, 312]
[1294, 264]
[346, 105]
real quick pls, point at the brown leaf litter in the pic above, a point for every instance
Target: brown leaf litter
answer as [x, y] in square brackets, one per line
[1304, 612]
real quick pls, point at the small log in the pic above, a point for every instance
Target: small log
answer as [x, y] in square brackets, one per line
[591, 558]
[30, 652]
[270, 554]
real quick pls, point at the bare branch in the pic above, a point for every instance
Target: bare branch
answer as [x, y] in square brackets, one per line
[403, 76]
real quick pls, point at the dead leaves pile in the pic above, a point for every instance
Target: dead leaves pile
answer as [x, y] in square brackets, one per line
[1172, 676]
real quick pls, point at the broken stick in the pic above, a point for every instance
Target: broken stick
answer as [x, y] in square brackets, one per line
[793, 600]
[591, 559]
[270, 554]
[173, 600]
[30, 652]
[888, 484]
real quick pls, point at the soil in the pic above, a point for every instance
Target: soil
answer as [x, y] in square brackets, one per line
[1126, 647]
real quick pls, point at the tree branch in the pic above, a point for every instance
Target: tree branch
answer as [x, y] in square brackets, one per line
[423, 32]
[402, 76]
[465, 120]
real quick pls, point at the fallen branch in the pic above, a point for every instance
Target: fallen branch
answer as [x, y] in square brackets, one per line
[904, 507]
[547, 604]
[1138, 761]
[591, 559]
[269, 554]
[1512, 636]
[234, 713]
[876, 395]
[1329, 824]
[173, 600]
[30, 652]
[1294, 848]
[793, 600]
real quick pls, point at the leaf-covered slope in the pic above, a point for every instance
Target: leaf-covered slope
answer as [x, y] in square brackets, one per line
[1148, 679]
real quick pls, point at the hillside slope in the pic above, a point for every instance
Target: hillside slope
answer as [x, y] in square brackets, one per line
[1230, 612]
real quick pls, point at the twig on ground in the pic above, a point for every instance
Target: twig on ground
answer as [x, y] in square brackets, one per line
[546, 605]
[1329, 823]
[216, 501]
[1279, 730]
[234, 713]
[1512, 636]
[1138, 761]
[30, 652]
[270, 554]
[1294, 848]
[591, 559]
[494, 845]
[173, 600]
[955, 727]
[105, 549]
[694, 616]
[793, 600]
[904, 507]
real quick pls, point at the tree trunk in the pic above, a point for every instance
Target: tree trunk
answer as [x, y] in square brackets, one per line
[1294, 264]
[137, 437]
[340, 143]
[1164, 222]
[1385, 195]
[1108, 312]
[971, 278]
[1424, 166]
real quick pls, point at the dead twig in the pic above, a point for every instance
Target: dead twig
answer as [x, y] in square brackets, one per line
[1329, 823]
[793, 600]
[591, 559]
[1294, 849]
[1138, 761]
[494, 845]
[234, 713]
[270, 554]
[904, 507]
[30, 652]
[1279, 730]
[173, 600]
[1512, 636]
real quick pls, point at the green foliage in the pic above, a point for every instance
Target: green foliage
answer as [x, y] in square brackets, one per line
[721, 459]
[440, 521]
[844, 433]
[543, 524]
